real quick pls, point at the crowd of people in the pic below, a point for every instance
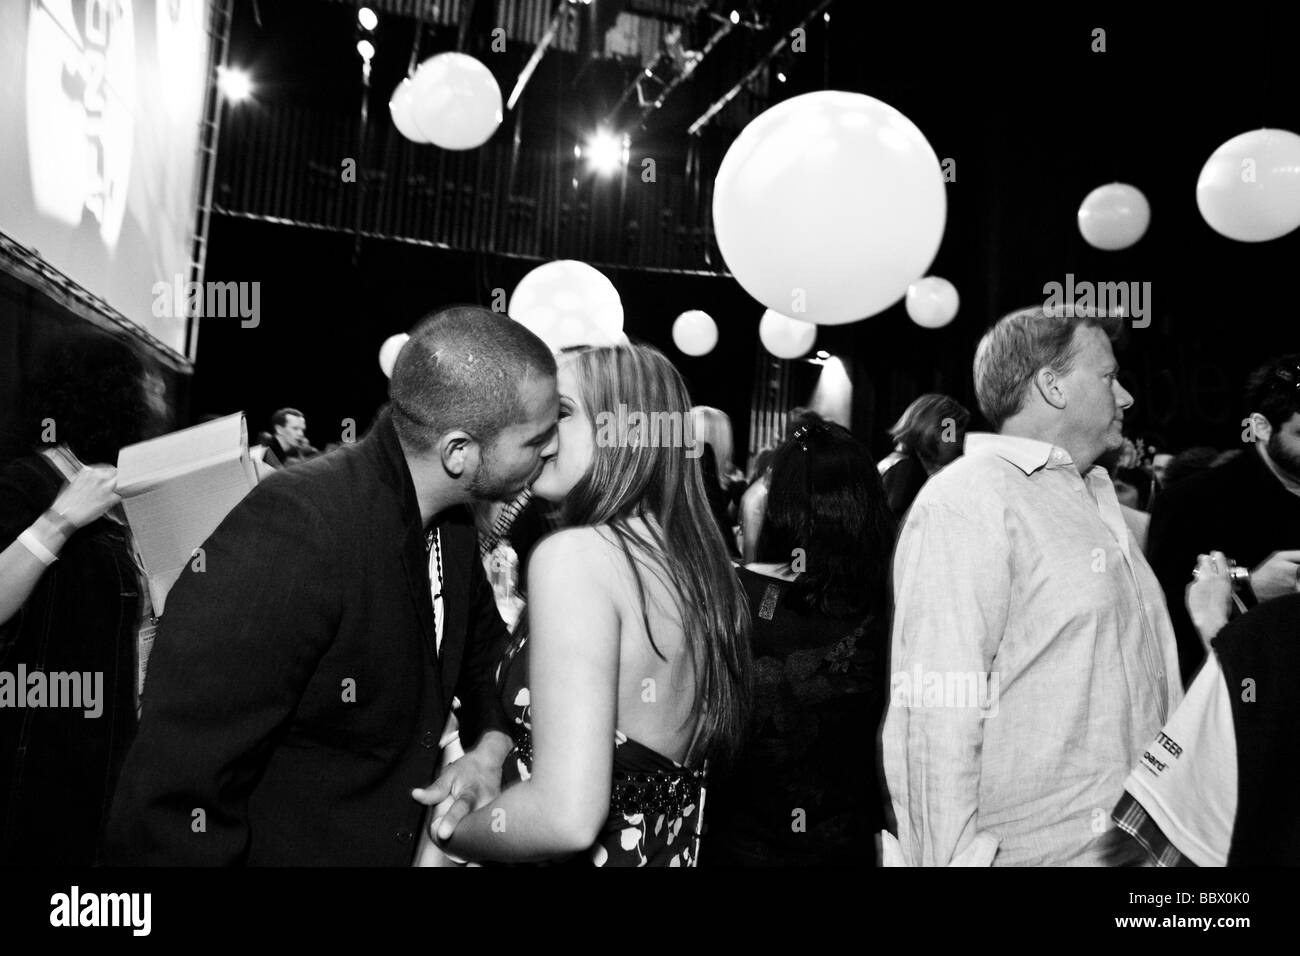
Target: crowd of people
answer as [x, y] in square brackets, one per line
[1042, 644]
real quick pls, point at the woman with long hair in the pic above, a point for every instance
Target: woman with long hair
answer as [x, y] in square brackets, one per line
[629, 677]
[805, 791]
[927, 436]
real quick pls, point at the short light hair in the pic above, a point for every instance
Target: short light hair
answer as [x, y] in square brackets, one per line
[1019, 344]
[463, 368]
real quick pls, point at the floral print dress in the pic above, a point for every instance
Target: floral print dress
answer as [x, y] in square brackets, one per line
[656, 804]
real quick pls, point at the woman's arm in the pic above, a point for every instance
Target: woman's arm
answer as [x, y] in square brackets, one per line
[573, 692]
[22, 565]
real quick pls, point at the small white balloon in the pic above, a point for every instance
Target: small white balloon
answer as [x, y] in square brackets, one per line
[1249, 188]
[932, 302]
[400, 106]
[695, 332]
[784, 337]
[455, 101]
[388, 352]
[566, 303]
[1114, 216]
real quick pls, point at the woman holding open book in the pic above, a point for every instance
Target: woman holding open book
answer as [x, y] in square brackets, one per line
[71, 603]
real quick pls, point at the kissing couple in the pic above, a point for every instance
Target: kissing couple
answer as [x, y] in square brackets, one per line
[300, 684]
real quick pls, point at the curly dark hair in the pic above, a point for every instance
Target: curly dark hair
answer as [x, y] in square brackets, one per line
[91, 387]
[825, 497]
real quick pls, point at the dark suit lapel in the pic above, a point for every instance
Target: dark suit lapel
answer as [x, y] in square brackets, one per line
[457, 551]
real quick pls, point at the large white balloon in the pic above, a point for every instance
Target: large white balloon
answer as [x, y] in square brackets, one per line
[388, 352]
[1249, 188]
[828, 205]
[455, 101]
[695, 332]
[401, 106]
[566, 303]
[932, 302]
[785, 337]
[1114, 216]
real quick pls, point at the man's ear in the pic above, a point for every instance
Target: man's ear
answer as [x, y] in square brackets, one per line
[458, 452]
[1050, 386]
[1260, 426]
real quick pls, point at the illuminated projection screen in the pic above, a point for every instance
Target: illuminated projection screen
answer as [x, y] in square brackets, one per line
[101, 103]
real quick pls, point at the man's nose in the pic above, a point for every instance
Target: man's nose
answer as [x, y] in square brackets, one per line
[1122, 396]
[552, 447]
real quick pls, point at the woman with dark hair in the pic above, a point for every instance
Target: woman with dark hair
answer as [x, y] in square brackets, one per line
[628, 678]
[804, 792]
[927, 436]
[71, 600]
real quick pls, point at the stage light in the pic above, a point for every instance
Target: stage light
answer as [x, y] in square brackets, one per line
[577, 152]
[823, 354]
[366, 49]
[605, 151]
[780, 76]
[735, 16]
[826, 17]
[366, 17]
[235, 85]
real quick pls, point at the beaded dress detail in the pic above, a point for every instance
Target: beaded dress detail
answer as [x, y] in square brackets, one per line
[656, 804]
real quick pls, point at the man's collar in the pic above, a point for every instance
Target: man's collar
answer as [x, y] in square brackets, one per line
[1027, 454]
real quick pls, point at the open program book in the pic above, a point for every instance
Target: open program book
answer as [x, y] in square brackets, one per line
[176, 490]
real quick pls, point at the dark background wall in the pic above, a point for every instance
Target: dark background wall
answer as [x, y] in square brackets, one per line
[1033, 119]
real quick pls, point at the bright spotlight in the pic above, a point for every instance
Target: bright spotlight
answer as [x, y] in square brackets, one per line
[780, 76]
[605, 152]
[823, 354]
[366, 17]
[735, 16]
[235, 85]
[366, 49]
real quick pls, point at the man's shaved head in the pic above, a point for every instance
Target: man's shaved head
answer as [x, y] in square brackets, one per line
[464, 368]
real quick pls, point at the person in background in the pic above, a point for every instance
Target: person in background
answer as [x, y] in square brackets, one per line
[753, 505]
[289, 444]
[1220, 783]
[805, 790]
[71, 598]
[1021, 592]
[927, 436]
[1248, 508]
[723, 481]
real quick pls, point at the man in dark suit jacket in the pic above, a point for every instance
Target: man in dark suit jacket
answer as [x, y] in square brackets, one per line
[1248, 508]
[301, 681]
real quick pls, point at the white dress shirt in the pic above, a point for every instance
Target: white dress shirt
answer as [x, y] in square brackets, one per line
[1032, 658]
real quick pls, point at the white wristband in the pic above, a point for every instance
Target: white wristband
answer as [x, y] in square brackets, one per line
[33, 544]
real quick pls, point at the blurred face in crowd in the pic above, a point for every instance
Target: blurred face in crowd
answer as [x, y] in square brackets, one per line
[293, 433]
[577, 440]
[1284, 446]
[1095, 400]
[512, 461]
[1159, 466]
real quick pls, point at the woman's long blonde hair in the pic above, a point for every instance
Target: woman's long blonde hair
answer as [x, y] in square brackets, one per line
[661, 478]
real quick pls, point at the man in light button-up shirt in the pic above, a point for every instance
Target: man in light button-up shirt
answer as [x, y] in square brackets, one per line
[1033, 658]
